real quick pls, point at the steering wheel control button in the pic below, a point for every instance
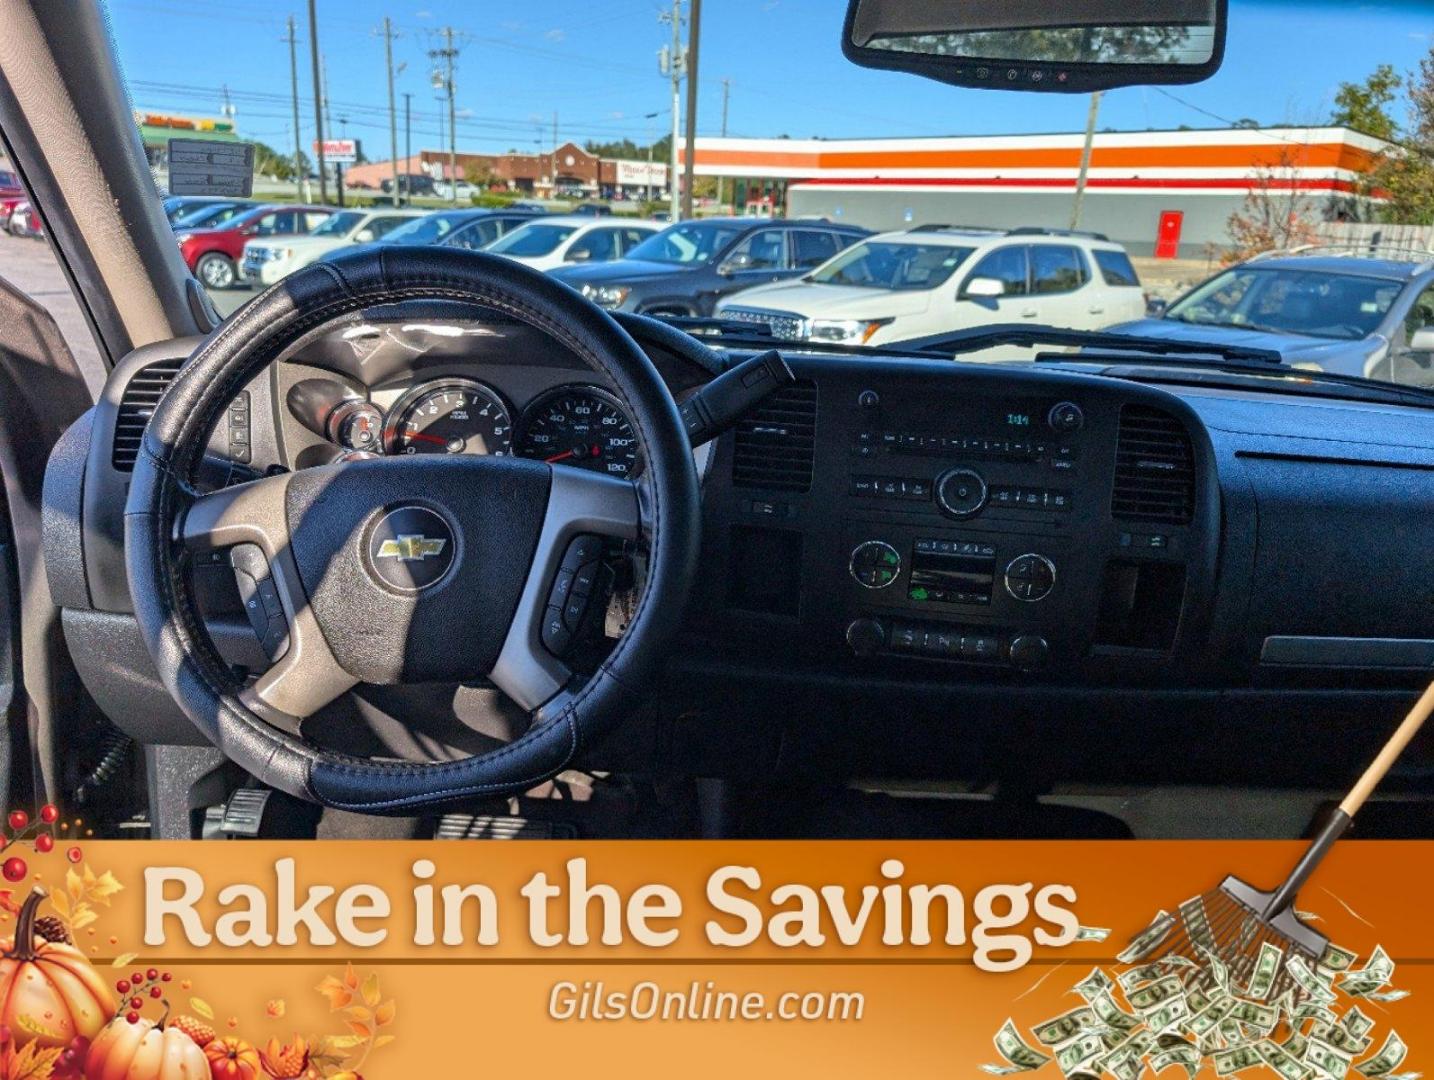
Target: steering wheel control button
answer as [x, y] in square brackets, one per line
[1030, 577]
[411, 548]
[556, 636]
[875, 564]
[260, 598]
[1065, 418]
[961, 493]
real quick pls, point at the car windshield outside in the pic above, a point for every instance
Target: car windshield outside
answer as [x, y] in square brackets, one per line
[896, 265]
[691, 243]
[429, 229]
[535, 238]
[340, 224]
[1287, 301]
[210, 217]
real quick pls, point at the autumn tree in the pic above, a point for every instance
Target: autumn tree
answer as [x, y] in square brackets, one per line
[1275, 216]
[1364, 106]
[1407, 174]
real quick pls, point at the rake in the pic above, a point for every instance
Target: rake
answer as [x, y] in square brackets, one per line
[1233, 922]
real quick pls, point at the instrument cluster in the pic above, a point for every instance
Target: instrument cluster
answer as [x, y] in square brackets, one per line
[574, 425]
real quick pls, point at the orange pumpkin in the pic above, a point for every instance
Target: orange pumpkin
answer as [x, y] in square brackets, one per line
[144, 1051]
[231, 1058]
[49, 993]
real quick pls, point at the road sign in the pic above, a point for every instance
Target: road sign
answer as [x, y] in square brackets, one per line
[202, 167]
[339, 151]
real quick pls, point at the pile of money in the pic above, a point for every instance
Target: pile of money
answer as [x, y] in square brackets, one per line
[1301, 1019]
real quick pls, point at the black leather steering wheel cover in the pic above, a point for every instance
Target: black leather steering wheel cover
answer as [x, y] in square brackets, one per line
[174, 441]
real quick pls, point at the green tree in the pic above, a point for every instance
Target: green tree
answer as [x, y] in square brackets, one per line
[1364, 106]
[1406, 175]
[269, 162]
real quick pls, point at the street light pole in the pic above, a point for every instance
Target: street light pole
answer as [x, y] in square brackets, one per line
[318, 101]
[392, 109]
[408, 144]
[1091, 117]
[694, 32]
[299, 177]
[674, 65]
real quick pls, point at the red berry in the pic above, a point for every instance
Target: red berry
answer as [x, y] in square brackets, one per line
[152, 974]
[132, 1017]
[14, 869]
[74, 854]
[67, 1058]
[137, 978]
[44, 843]
[49, 813]
[165, 977]
[136, 1003]
[155, 991]
[19, 820]
[122, 986]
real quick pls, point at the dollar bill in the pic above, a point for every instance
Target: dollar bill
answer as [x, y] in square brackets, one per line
[1327, 1060]
[1261, 1017]
[1267, 966]
[1313, 1010]
[1375, 974]
[1197, 999]
[1308, 981]
[1153, 995]
[1079, 1052]
[1142, 974]
[1012, 1047]
[1208, 1019]
[1094, 985]
[1197, 923]
[1355, 1022]
[1281, 1060]
[1186, 1056]
[1168, 1015]
[1092, 933]
[1217, 969]
[1340, 1038]
[1336, 959]
[1236, 1059]
[1391, 1055]
[1386, 995]
[1067, 1026]
[1112, 1015]
[1149, 939]
[1296, 1044]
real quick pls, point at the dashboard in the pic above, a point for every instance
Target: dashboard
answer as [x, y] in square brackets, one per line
[960, 553]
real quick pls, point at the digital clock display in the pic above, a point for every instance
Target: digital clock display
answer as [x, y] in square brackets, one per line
[1018, 419]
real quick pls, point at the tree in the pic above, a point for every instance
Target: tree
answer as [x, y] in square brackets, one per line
[269, 162]
[1365, 106]
[1407, 174]
[1276, 215]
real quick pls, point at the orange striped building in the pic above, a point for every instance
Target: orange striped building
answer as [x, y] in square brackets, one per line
[1014, 180]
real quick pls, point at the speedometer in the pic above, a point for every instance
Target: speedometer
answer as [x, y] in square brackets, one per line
[580, 426]
[451, 416]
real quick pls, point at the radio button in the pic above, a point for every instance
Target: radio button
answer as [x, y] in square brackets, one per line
[961, 493]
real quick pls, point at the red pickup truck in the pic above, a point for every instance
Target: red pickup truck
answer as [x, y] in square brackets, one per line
[213, 254]
[11, 195]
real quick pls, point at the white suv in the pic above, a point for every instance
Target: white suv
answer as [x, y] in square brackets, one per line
[935, 279]
[266, 261]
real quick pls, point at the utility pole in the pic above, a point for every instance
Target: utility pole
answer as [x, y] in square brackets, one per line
[554, 170]
[722, 180]
[407, 143]
[1085, 158]
[443, 80]
[694, 32]
[318, 101]
[299, 177]
[672, 63]
[392, 109]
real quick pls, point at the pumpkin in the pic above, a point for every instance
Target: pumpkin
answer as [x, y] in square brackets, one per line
[49, 993]
[233, 1059]
[144, 1050]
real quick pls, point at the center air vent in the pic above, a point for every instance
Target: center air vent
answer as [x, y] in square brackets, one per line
[136, 406]
[775, 444]
[1154, 468]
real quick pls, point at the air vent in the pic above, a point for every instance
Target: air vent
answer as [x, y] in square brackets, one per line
[776, 443]
[141, 395]
[1154, 468]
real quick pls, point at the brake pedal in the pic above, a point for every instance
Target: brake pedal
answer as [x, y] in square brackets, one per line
[500, 827]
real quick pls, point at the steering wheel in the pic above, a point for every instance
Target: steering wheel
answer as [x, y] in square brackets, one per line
[411, 569]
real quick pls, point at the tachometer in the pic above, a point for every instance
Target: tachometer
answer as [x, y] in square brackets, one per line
[580, 426]
[451, 416]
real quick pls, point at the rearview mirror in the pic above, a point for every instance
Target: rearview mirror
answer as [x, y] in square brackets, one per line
[1155, 307]
[1043, 45]
[984, 288]
[581, 255]
[363, 236]
[733, 264]
[1422, 340]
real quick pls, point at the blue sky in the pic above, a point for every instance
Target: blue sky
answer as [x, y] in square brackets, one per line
[594, 63]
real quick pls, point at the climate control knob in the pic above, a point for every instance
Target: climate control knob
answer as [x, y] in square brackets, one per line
[867, 637]
[874, 564]
[1030, 577]
[1029, 652]
[961, 493]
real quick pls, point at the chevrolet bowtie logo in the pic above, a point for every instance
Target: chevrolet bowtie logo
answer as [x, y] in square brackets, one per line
[411, 548]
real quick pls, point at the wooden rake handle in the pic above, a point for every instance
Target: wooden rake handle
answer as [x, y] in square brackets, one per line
[1339, 821]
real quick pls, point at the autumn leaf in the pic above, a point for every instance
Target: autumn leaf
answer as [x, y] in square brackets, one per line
[371, 994]
[359, 1013]
[363, 1031]
[7, 901]
[123, 959]
[202, 1007]
[276, 1008]
[351, 979]
[383, 1015]
[333, 1046]
[383, 1040]
[103, 888]
[337, 993]
[74, 885]
[33, 1062]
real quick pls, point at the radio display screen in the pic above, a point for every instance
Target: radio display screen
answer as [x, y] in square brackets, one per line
[951, 572]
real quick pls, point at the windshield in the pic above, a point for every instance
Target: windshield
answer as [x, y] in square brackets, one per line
[1287, 301]
[1290, 193]
[426, 230]
[884, 264]
[692, 243]
[535, 238]
[340, 224]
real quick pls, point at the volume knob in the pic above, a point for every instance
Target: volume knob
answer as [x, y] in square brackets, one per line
[961, 493]
[867, 637]
[1029, 652]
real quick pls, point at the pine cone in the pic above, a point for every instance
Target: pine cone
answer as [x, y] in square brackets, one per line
[52, 929]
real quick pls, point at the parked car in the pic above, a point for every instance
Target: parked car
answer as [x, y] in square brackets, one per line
[933, 279]
[551, 241]
[528, 204]
[1348, 314]
[214, 215]
[213, 254]
[445, 190]
[180, 206]
[688, 267]
[267, 261]
[409, 184]
[23, 221]
[592, 209]
[470, 229]
[11, 195]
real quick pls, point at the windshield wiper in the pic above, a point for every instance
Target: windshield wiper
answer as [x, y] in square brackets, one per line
[986, 337]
